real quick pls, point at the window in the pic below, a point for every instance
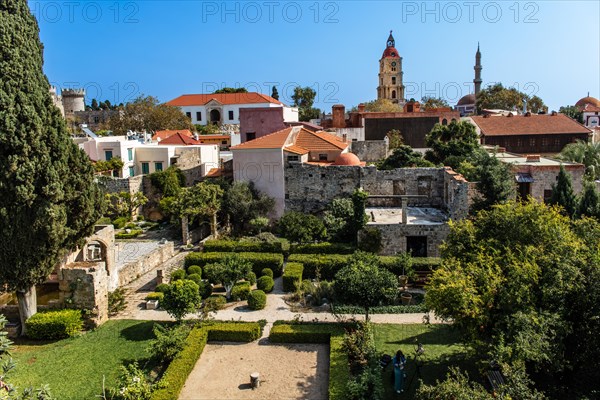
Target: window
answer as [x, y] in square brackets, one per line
[416, 246]
[393, 68]
[198, 116]
[231, 115]
[393, 80]
[116, 173]
[96, 120]
[532, 141]
[292, 158]
[108, 155]
[322, 157]
[393, 94]
[444, 121]
[131, 171]
[544, 142]
[223, 141]
[158, 166]
[519, 142]
[547, 195]
[250, 136]
[556, 142]
[189, 115]
[145, 168]
[130, 154]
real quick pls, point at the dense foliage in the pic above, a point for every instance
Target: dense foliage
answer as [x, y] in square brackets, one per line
[228, 271]
[181, 298]
[451, 144]
[520, 282]
[404, 157]
[498, 97]
[242, 203]
[49, 200]
[54, 324]
[301, 228]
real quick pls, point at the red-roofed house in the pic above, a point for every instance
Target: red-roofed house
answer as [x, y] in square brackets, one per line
[263, 160]
[178, 139]
[224, 108]
[162, 135]
[530, 133]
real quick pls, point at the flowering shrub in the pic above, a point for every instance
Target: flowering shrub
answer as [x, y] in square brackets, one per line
[132, 384]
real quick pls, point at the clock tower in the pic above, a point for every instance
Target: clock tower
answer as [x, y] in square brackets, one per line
[390, 74]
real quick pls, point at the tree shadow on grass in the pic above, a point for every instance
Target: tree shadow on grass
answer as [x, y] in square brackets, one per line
[139, 332]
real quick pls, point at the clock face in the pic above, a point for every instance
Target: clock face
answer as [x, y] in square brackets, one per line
[393, 54]
[390, 43]
[394, 64]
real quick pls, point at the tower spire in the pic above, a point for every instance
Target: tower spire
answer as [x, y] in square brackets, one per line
[477, 81]
[391, 42]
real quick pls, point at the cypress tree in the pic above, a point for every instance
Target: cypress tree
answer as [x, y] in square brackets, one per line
[562, 193]
[589, 204]
[48, 198]
[275, 93]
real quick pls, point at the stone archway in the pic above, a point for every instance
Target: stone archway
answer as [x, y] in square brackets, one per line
[215, 117]
[97, 250]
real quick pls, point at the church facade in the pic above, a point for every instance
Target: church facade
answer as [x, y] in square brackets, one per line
[391, 86]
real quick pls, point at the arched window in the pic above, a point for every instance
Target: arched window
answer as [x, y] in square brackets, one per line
[393, 94]
[444, 121]
[393, 80]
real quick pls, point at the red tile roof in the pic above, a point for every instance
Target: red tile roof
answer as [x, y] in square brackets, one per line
[223, 98]
[166, 133]
[535, 124]
[179, 139]
[305, 141]
[215, 137]
[591, 108]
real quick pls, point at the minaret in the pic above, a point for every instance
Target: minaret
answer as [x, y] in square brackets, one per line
[477, 81]
[390, 74]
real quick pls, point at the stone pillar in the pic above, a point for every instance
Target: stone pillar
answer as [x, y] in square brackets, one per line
[84, 285]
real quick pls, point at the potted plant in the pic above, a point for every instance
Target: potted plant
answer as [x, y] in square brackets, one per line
[406, 298]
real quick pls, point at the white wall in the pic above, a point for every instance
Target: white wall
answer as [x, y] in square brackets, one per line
[152, 154]
[225, 112]
[264, 167]
[290, 114]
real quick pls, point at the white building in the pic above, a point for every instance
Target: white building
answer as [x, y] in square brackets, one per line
[224, 108]
[145, 158]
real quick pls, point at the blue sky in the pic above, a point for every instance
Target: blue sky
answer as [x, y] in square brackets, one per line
[120, 49]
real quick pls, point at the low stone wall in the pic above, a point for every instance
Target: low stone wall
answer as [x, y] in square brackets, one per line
[116, 185]
[133, 270]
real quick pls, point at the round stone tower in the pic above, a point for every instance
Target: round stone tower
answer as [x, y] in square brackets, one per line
[73, 100]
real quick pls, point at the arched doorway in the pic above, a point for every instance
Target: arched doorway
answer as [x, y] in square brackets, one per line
[215, 117]
[393, 94]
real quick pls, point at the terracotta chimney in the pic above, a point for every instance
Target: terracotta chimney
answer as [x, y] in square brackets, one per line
[361, 108]
[339, 119]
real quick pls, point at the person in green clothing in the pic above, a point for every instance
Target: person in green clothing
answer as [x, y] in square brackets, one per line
[399, 362]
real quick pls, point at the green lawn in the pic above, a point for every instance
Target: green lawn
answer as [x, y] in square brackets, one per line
[74, 367]
[442, 349]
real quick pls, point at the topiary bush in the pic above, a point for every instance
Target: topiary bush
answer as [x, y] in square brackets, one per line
[265, 283]
[194, 269]
[178, 275]
[240, 291]
[120, 222]
[195, 277]
[161, 288]
[133, 234]
[54, 324]
[251, 278]
[266, 272]
[292, 276]
[217, 301]
[155, 296]
[234, 332]
[205, 289]
[257, 300]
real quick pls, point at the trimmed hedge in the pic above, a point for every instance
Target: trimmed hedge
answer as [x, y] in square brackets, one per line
[397, 309]
[257, 300]
[54, 324]
[155, 296]
[323, 248]
[240, 290]
[194, 269]
[180, 368]
[329, 264]
[292, 276]
[265, 283]
[196, 278]
[266, 272]
[131, 235]
[339, 372]
[259, 261]
[234, 332]
[229, 246]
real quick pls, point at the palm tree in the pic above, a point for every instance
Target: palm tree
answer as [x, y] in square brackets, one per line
[586, 153]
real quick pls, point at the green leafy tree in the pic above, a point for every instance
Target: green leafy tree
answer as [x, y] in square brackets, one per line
[146, 113]
[495, 180]
[404, 157]
[114, 165]
[589, 203]
[208, 129]
[430, 103]
[275, 93]
[514, 281]
[586, 153]
[363, 283]
[169, 181]
[49, 201]
[242, 202]
[395, 139]
[572, 112]
[381, 105]
[231, 90]
[562, 193]
[451, 144]
[359, 218]
[304, 98]
[124, 204]
[202, 200]
[181, 298]
[94, 105]
[228, 272]
[498, 97]
[301, 228]
[338, 219]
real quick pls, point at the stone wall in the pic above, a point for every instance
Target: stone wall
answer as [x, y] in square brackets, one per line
[133, 270]
[393, 237]
[190, 163]
[370, 150]
[310, 188]
[84, 285]
[131, 184]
